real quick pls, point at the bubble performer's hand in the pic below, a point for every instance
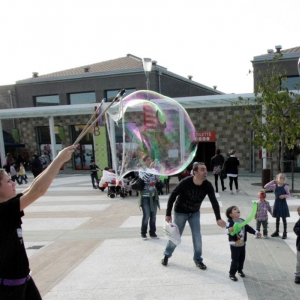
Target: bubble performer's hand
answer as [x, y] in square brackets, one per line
[238, 226]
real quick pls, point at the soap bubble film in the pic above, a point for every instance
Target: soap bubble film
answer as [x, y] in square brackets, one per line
[148, 123]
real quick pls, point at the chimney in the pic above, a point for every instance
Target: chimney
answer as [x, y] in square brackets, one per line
[270, 51]
[190, 77]
[278, 48]
[215, 87]
[35, 74]
[154, 62]
[86, 69]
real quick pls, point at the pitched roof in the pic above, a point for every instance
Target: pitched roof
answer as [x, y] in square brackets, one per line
[123, 63]
[291, 50]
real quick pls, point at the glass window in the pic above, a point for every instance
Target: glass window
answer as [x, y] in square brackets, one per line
[82, 98]
[292, 83]
[111, 94]
[47, 100]
[44, 134]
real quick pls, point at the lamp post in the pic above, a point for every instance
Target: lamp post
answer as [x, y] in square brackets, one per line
[147, 64]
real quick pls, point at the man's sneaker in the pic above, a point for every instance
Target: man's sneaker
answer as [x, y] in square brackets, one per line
[201, 265]
[241, 273]
[154, 236]
[284, 236]
[265, 237]
[297, 279]
[164, 261]
[223, 189]
[275, 234]
[238, 190]
[233, 278]
[144, 237]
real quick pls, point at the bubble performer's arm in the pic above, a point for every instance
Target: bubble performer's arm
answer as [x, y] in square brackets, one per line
[238, 226]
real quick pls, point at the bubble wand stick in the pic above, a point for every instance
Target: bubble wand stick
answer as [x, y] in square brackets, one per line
[83, 133]
[238, 226]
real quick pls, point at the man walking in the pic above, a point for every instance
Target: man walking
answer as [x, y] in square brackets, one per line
[189, 195]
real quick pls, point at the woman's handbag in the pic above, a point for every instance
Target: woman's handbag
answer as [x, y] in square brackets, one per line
[223, 174]
[138, 184]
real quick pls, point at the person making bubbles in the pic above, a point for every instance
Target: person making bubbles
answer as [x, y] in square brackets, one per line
[15, 280]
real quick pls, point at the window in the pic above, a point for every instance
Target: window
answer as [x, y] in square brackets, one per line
[82, 98]
[292, 83]
[44, 134]
[47, 100]
[111, 94]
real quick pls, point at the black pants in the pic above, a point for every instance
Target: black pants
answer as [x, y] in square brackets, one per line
[216, 182]
[238, 255]
[26, 291]
[94, 176]
[235, 179]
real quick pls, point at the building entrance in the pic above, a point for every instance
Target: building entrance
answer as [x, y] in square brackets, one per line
[205, 152]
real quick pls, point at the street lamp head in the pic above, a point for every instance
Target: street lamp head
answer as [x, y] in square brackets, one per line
[147, 64]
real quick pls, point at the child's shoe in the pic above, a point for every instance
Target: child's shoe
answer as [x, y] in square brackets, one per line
[233, 277]
[242, 274]
[284, 236]
[265, 237]
[297, 279]
[238, 190]
[231, 192]
[275, 234]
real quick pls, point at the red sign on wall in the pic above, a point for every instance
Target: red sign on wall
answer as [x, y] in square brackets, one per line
[206, 136]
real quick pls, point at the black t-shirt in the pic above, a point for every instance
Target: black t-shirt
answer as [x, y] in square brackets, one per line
[190, 196]
[93, 167]
[13, 258]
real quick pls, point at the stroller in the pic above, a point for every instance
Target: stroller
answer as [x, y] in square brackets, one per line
[113, 189]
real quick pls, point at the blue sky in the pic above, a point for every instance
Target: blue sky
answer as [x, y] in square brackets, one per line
[214, 41]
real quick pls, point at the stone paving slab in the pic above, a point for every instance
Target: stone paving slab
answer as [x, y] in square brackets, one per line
[85, 245]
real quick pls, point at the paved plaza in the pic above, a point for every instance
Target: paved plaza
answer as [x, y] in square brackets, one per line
[85, 245]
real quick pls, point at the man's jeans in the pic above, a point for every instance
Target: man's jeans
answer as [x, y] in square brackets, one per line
[148, 214]
[194, 221]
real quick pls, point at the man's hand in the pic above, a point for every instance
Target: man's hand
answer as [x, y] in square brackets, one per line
[168, 219]
[221, 223]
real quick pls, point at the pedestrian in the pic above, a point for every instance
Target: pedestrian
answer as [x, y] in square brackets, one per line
[149, 200]
[261, 216]
[15, 280]
[297, 232]
[14, 174]
[237, 241]
[231, 167]
[94, 174]
[280, 209]
[189, 195]
[22, 173]
[216, 164]
[45, 160]
[36, 166]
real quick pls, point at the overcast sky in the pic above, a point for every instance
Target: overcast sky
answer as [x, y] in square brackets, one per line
[214, 41]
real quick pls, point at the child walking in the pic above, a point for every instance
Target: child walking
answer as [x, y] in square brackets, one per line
[22, 173]
[237, 242]
[261, 217]
[297, 232]
[280, 209]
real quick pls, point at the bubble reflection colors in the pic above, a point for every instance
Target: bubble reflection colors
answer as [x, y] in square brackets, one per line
[159, 127]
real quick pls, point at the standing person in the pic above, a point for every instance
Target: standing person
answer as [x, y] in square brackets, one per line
[16, 282]
[297, 232]
[8, 161]
[94, 174]
[280, 209]
[149, 200]
[216, 164]
[22, 173]
[14, 174]
[36, 166]
[189, 194]
[261, 217]
[237, 242]
[232, 171]
[45, 159]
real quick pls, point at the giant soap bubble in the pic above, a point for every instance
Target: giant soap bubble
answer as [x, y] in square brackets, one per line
[148, 123]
